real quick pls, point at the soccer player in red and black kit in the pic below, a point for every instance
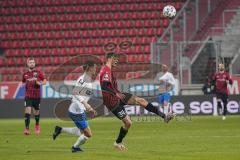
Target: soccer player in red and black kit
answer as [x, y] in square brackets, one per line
[114, 100]
[33, 79]
[221, 79]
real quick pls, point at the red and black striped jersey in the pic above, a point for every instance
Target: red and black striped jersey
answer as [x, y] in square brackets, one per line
[32, 90]
[106, 75]
[221, 81]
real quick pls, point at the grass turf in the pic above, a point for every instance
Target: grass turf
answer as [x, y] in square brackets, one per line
[204, 137]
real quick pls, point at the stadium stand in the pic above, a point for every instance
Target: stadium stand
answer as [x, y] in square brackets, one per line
[54, 31]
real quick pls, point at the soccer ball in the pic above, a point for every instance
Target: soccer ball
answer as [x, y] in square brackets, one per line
[169, 11]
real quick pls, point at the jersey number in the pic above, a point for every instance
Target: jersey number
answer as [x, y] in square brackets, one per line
[88, 92]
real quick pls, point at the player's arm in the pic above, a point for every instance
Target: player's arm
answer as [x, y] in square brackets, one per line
[107, 86]
[172, 81]
[43, 82]
[89, 108]
[23, 80]
[41, 79]
[162, 79]
[213, 82]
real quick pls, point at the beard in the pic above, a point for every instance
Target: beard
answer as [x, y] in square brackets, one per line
[31, 68]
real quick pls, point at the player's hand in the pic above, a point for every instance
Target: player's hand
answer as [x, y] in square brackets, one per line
[120, 96]
[39, 83]
[89, 109]
[92, 112]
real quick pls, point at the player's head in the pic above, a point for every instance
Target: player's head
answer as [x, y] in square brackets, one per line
[112, 58]
[31, 63]
[221, 67]
[164, 68]
[90, 67]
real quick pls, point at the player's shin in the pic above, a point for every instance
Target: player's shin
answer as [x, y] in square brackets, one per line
[37, 119]
[80, 141]
[155, 110]
[122, 133]
[27, 120]
[224, 109]
[165, 109]
[219, 105]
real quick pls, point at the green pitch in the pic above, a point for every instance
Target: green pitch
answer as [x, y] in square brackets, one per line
[201, 138]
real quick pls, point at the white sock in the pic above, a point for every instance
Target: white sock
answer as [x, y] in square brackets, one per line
[81, 140]
[165, 109]
[73, 130]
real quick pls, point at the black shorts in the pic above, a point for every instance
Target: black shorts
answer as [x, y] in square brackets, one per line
[127, 97]
[222, 96]
[119, 111]
[32, 102]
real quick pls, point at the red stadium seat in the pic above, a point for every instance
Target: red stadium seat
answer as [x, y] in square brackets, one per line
[6, 78]
[2, 61]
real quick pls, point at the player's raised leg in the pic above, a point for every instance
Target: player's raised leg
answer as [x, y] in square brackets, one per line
[70, 130]
[134, 100]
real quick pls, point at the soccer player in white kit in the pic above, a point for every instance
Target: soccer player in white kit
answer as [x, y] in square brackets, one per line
[79, 106]
[168, 82]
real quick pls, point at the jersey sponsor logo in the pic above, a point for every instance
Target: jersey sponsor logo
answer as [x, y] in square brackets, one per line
[88, 92]
[221, 79]
[106, 77]
[32, 79]
[35, 74]
[81, 81]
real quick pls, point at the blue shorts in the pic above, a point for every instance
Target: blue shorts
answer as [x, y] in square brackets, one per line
[165, 97]
[80, 120]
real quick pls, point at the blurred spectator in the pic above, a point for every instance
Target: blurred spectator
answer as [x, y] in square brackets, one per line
[207, 86]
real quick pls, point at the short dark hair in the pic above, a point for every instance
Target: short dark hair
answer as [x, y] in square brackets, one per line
[111, 55]
[30, 59]
[88, 64]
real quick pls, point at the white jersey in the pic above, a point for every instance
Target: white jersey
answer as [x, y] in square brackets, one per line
[169, 81]
[82, 92]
